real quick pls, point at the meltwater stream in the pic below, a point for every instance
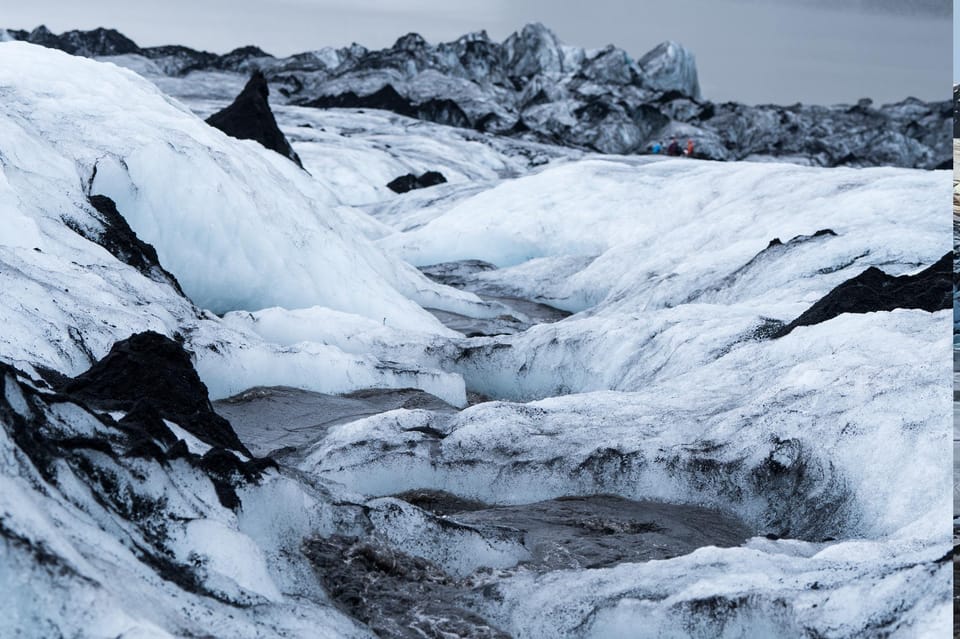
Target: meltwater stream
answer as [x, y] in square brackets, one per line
[395, 589]
[466, 275]
[400, 594]
[595, 531]
[404, 596]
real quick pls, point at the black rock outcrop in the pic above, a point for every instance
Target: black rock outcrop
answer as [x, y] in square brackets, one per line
[873, 290]
[410, 181]
[122, 471]
[439, 110]
[123, 243]
[148, 373]
[249, 118]
[239, 58]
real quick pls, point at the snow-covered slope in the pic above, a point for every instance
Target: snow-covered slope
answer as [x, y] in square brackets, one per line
[639, 249]
[783, 434]
[106, 530]
[240, 229]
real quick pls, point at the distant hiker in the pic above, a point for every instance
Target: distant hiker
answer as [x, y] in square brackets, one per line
[674, 148]
[689, 148]
[657, 148]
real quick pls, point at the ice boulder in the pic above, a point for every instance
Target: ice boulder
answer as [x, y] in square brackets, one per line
[671, 67]
[533, 50]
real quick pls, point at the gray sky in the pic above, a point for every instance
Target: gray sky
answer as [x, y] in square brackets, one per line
[956, 35]
[782, 51]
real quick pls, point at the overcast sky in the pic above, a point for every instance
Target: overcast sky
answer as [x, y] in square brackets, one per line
[782, 51]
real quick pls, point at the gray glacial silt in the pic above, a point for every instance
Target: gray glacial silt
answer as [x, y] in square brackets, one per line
[595, 531]
[524, 313]
[396, 595]
[399, 595]
[278, 421]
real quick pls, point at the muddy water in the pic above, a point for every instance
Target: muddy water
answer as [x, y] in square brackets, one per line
[278, 421]
[401, 596]
[507, 324]
[521, 315]
[594, 531]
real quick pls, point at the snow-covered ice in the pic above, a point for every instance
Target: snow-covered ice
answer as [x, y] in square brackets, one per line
[242, 229]
[831, 444]
[204, 201]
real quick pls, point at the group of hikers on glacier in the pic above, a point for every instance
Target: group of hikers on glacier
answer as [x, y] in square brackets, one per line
[673, 149]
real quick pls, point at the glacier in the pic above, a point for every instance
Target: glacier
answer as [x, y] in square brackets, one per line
[455, 404]
[532, 86]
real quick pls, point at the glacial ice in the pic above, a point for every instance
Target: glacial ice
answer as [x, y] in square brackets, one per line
[831, 444]
[533, 86]
[675, 269]
[73, 299]
[83, 541]
[248, 233]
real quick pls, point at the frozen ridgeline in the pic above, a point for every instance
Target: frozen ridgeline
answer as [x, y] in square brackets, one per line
[533, 86]
[667, 398]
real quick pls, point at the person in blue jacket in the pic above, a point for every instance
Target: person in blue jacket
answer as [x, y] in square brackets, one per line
[657, 148]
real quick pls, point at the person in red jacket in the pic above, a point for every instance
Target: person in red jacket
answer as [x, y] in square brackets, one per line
[690, 148]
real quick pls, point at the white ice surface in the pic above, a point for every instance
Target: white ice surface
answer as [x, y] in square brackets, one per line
[665, 392]
[238, 225]
[784, 435]
[670, 270]
[667, 263]
[69, 300]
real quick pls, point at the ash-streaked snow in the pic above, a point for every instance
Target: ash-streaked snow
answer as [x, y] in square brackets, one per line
[829, 447]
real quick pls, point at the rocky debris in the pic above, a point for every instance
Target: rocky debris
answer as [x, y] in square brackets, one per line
[249, 118]
[873, 290]
[409, 182]
[397, 595]
[441, 111]
[127, 473]
[533, 86]
[153, 372]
